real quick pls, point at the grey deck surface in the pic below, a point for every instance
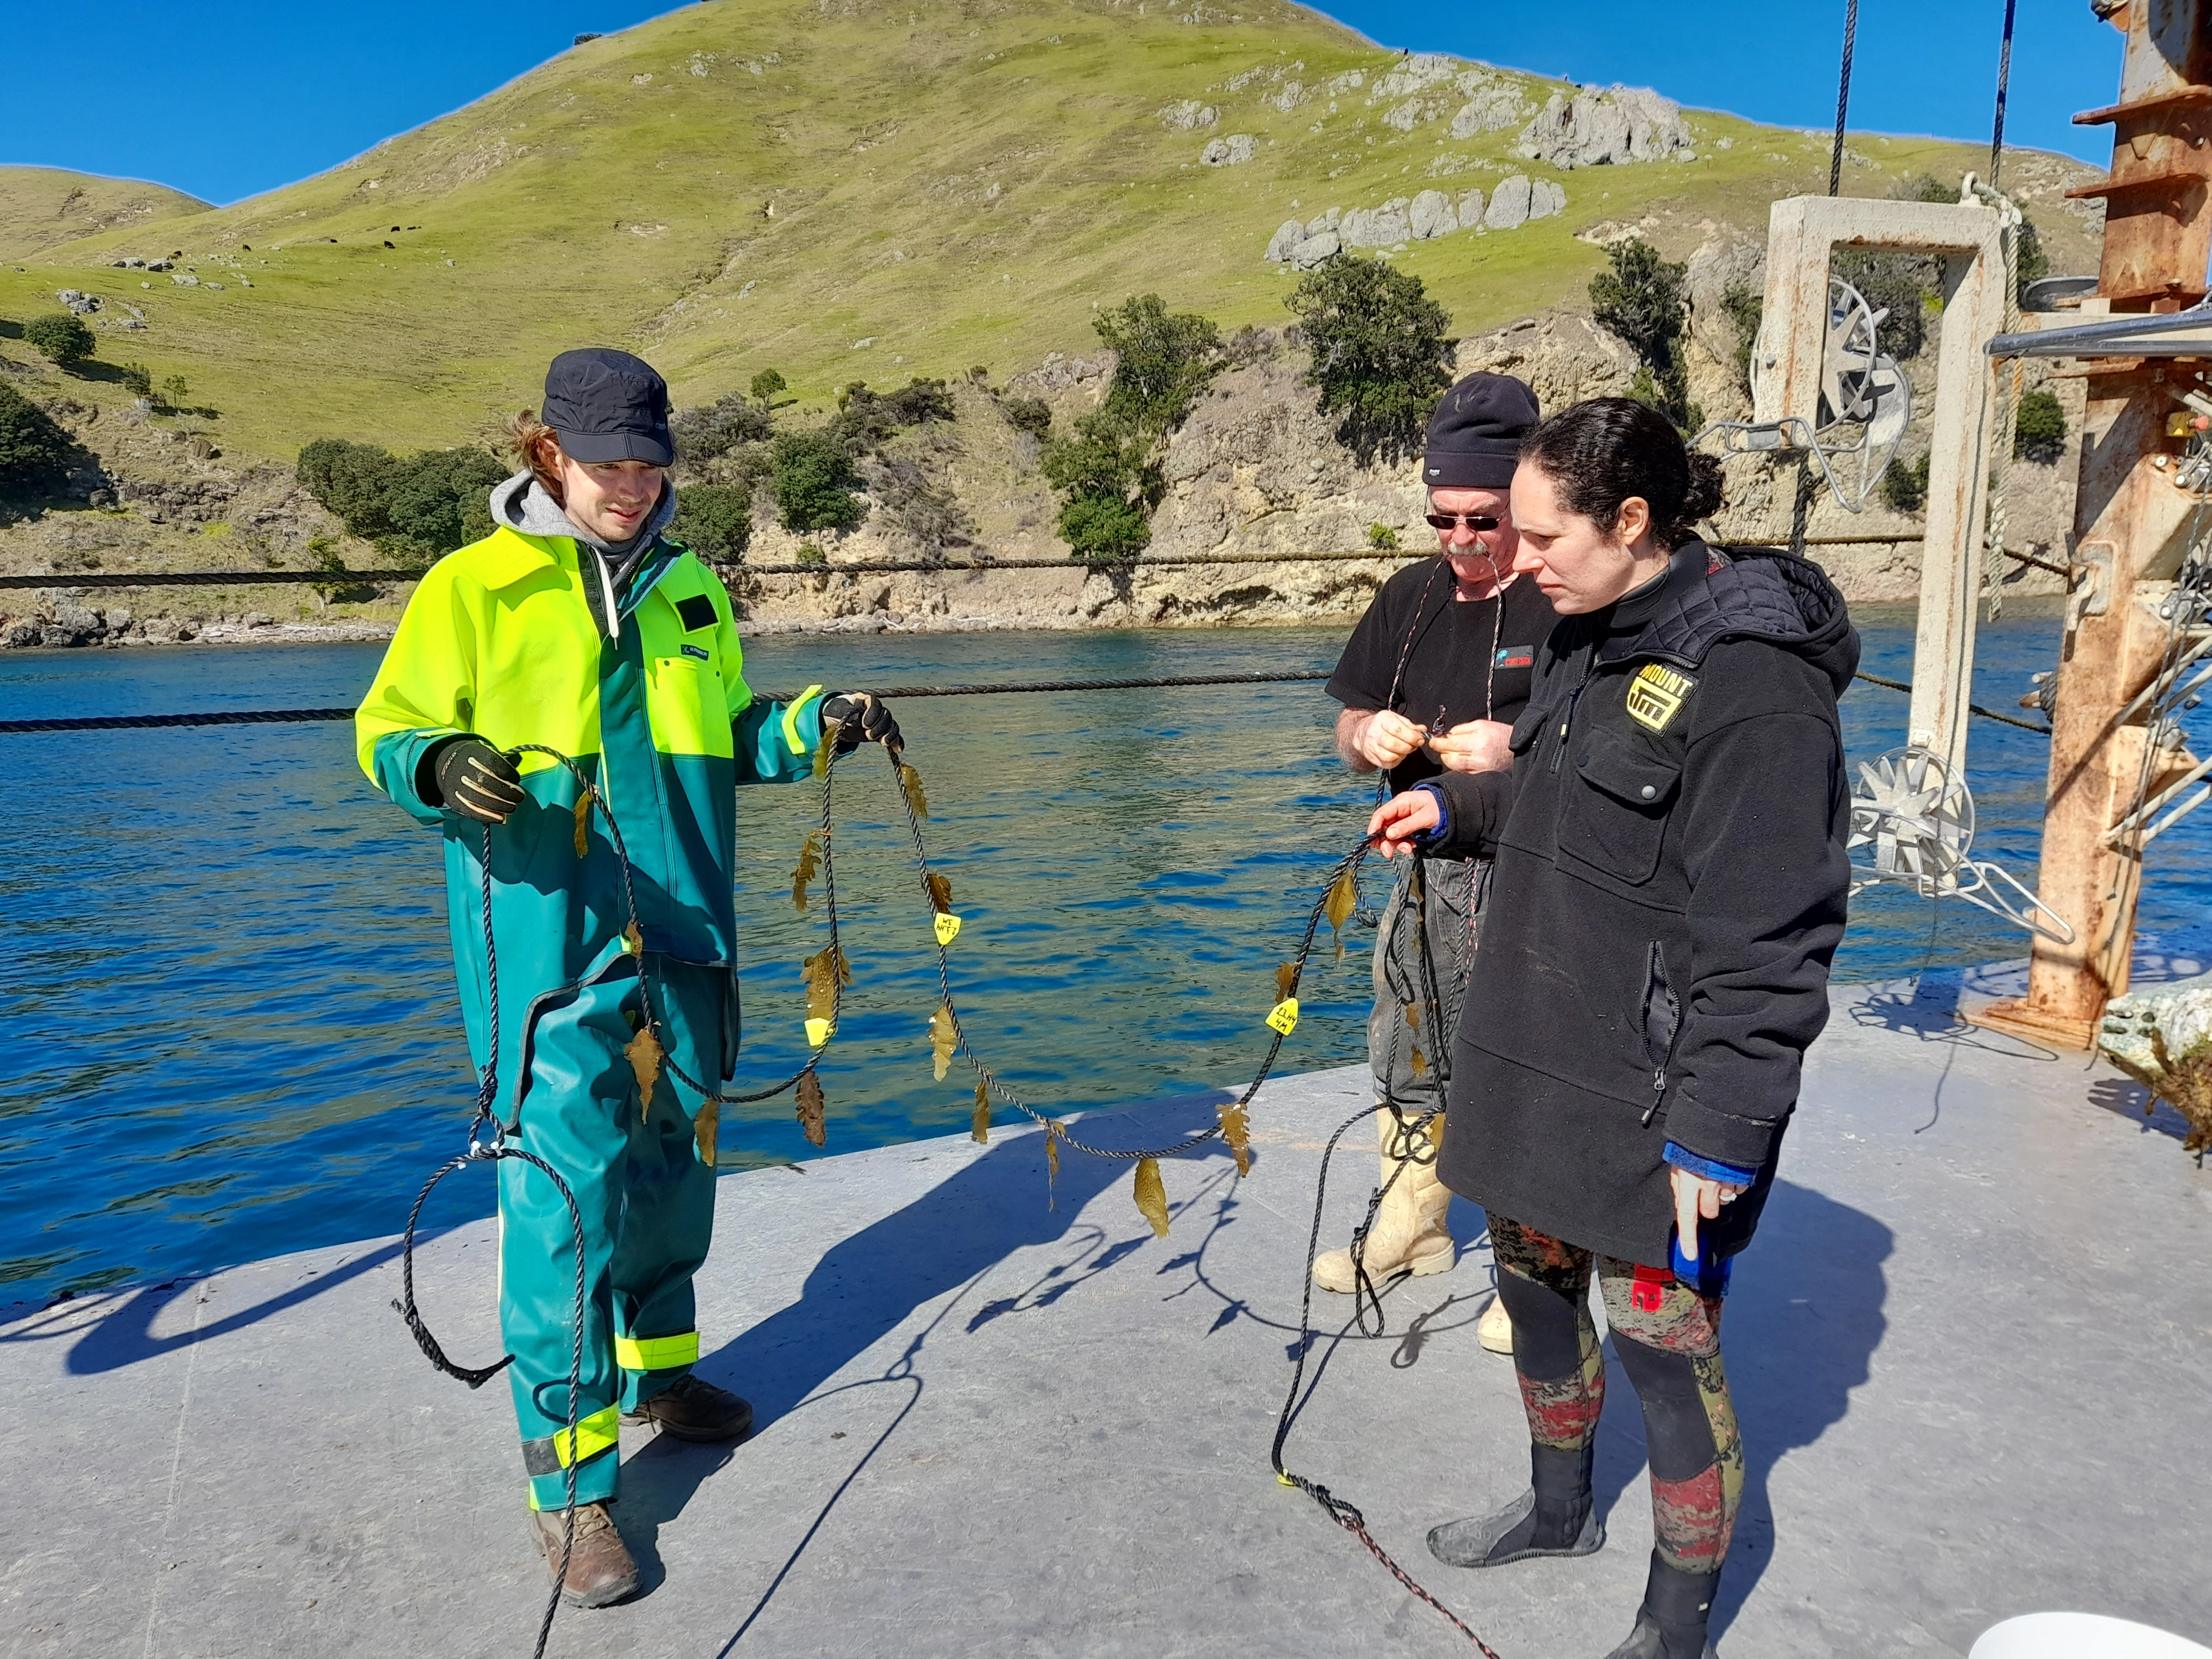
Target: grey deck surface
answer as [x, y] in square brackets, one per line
[1970, 1350]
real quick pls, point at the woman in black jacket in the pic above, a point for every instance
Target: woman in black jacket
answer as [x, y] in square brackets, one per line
[1669, 888]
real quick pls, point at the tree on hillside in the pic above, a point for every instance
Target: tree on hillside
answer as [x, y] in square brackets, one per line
[35, 452]
[1109, 469]
[1381, 357]
[715, 521]
[1162, 361]
[64, 337]
[1641, 299]
[414, 508]
[814, 484]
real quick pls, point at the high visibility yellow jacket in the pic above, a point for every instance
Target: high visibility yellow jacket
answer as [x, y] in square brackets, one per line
[501, 640]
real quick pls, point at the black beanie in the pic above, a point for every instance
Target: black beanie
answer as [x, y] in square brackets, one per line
[1475, 437]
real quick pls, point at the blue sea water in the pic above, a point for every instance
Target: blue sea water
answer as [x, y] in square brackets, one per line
[231, 1027]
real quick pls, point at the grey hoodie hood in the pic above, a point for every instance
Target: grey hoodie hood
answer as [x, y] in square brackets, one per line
[522, 505]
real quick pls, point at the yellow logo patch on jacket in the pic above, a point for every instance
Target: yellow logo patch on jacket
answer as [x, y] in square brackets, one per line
[1656, 693]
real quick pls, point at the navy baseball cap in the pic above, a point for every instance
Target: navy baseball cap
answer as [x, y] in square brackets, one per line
[1475, 437]
[607, 405]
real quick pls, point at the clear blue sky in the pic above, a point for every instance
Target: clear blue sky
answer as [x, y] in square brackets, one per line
[230, 101]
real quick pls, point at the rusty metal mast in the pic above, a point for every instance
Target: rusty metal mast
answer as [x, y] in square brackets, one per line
[2131, 522]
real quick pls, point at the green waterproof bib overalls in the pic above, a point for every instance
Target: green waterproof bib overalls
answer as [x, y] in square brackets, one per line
[500, 640]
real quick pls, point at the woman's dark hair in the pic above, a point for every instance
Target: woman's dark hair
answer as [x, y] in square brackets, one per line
[1599, 454]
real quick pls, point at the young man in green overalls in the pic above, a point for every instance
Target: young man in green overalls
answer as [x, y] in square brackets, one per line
[577, 625]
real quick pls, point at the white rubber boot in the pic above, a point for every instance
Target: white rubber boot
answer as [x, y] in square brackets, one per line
[1409, 1235]
[1494, 1330]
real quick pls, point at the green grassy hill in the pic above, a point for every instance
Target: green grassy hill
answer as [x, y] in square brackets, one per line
[845, 190]
[41, 208]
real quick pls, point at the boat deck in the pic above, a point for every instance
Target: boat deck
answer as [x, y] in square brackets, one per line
[1969, 1350]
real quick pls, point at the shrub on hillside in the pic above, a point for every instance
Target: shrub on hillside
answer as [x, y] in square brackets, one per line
[414, 507]
[765, 386]
[1904, 487]
[1641, 299]
[2038, 430]
[714, 521]
[1103, 529]
[67, 339]
[1381, 357]
[137, 380]
[814, 484]
[729, 422]
[1029, 415]
[35, 452]
[1746, 309]
[866, 421]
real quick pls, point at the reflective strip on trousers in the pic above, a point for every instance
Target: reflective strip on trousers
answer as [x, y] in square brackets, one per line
[596, 1433]
[657, 1353]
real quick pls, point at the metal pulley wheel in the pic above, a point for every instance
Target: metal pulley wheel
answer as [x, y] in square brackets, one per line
[1918, 817]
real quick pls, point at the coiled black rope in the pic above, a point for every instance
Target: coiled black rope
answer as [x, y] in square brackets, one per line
[482, 1151]
[1342, 1511]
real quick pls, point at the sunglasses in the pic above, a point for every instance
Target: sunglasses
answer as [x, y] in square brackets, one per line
[1472, 521]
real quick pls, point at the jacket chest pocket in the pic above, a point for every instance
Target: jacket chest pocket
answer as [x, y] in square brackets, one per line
[685, 706]
[1614, 816]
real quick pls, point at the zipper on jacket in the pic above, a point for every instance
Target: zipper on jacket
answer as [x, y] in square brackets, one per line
[1567, 721]
[1655, 984]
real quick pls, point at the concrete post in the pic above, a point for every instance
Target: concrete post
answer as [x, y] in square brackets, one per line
[1803, 232]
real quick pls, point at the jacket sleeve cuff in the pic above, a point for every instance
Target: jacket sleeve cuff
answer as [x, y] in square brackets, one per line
[400, 759]
[774, 742]
[1721, 1138]
[1712, 1168]
[1475, 805]
[1442, 831]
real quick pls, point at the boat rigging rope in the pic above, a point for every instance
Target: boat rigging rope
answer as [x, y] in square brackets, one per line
[2004, 78]
[1844, 95]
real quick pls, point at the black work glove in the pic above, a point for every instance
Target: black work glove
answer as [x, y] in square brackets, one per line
[474, 780]
[870, 721]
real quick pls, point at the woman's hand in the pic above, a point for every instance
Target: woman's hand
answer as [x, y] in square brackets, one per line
[1400, 819]
[1474, 746]
[1384, 739]
[1694, 1196]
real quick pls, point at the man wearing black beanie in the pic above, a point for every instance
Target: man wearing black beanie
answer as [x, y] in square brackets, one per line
[1432, 681]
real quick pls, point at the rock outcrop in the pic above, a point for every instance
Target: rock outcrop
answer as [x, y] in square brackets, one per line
[1420, 218]
[1228, 152]
[1613, 127]
[1188, 116]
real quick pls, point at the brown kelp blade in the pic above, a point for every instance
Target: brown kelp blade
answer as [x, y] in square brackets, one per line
[1151, 1196]
[1286, 980]
[705, 1127]
[1237, 1131]
[980, 1126]
[812, 1109]
[1343, 899]
[943, 1038]
[810, 866]
[583, 822]
[940, 893]
[911, 781]
[644, 1053]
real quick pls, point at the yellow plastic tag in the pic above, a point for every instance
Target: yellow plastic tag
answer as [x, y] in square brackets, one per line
[948, 928]
[819, 1031]
[1284, 1016]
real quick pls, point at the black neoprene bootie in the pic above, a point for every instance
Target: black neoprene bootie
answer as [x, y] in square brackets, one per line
[1555, 1517]
[1671, 1623]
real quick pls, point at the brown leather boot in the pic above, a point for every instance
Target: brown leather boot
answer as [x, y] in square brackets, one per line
[600, 1571]
[692, 1408]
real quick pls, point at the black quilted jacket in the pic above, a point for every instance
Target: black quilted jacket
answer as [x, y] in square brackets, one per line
[1668, 892]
